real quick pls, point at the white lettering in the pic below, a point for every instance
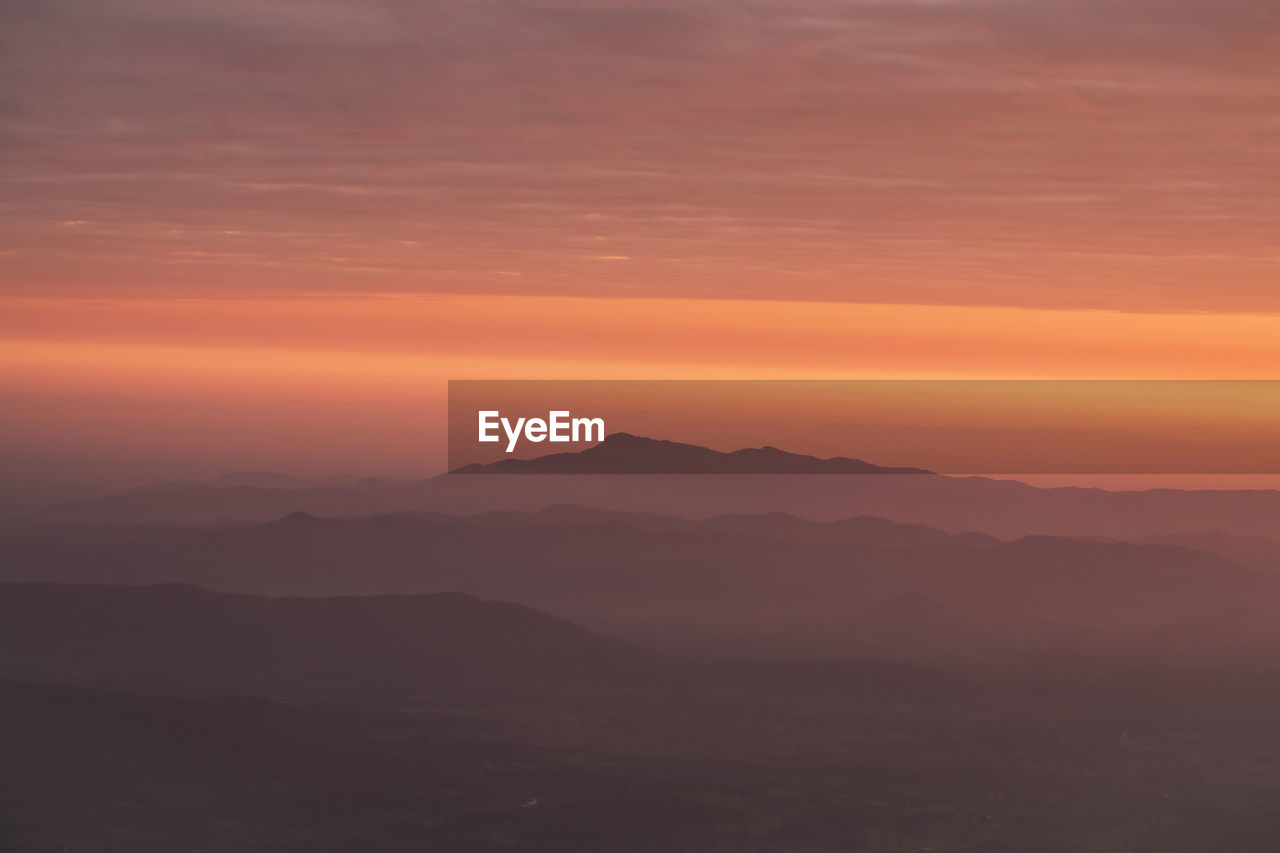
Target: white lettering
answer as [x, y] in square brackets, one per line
[512, 434]
[587, 424]
[487, 423]
[560, 426]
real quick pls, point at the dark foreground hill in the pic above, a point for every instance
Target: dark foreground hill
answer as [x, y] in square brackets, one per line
[793, 758]
[182, 637]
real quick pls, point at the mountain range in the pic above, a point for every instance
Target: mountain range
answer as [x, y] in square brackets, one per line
[1002, 508]
[771, 584]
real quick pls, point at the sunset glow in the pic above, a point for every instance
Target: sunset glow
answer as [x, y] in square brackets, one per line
[359, 201]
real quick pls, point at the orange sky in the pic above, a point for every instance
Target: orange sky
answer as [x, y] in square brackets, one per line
[325, 384]
[236, 203]
[360, 347]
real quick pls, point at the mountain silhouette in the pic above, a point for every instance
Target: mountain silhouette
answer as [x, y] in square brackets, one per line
[1002, 508]
[769, 583]
[1259, 553]
[180, 636]
[624, 453]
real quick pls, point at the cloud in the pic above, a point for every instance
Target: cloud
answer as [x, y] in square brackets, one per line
[1035, 152]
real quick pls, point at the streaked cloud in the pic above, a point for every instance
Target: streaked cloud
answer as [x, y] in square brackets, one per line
[1015, 152]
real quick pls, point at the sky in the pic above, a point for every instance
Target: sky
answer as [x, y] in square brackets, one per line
[331, 200]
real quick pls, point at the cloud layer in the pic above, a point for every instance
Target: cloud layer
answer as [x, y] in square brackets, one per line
[1093, 153]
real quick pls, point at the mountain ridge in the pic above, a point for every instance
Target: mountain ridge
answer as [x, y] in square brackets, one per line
[998, 507]
[185, 636]
[732, 583]
[625, 453]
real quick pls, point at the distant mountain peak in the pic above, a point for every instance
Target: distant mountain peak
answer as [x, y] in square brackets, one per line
[299, 517]
[627, 453]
